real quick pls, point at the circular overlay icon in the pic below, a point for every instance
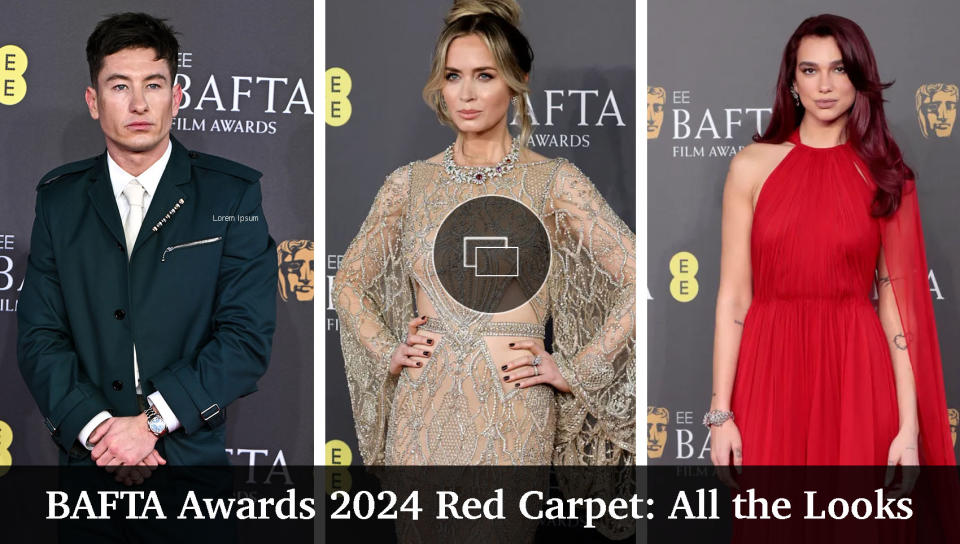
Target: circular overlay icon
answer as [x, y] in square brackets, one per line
[492, 254]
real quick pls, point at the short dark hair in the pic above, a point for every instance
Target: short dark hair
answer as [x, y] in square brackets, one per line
[136, 30]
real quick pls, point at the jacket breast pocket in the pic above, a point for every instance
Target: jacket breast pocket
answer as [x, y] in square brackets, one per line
[168, 252]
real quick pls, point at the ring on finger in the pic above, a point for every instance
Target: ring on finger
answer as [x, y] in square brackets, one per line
[536, 361]
[536, 371]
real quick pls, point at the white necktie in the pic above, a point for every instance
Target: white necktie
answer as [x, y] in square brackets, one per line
[134, 195]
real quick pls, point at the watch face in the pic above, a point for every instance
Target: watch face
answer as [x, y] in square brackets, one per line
[156, 424]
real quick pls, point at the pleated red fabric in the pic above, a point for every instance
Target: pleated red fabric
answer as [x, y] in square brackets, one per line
[815, 382]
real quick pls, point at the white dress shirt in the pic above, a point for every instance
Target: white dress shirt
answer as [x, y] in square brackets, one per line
[149, 179]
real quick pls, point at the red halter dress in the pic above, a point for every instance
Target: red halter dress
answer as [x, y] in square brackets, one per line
[815, 383]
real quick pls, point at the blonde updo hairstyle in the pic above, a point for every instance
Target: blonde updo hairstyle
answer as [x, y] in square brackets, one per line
[496, 22]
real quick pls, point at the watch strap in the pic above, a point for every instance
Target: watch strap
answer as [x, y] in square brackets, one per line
[153, 418]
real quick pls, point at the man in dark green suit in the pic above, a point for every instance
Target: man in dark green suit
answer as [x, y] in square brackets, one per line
[149, 299]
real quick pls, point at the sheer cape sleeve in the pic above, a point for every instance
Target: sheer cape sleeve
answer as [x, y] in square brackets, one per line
[593, 300]
[374, 303]
[906, 260]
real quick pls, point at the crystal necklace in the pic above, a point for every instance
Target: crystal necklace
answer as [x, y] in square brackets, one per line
[479, 174]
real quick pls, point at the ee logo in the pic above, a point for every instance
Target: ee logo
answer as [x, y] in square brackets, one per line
[13, 63]
[683, 267]
[338, 459]
[339, 85]
[6, 438]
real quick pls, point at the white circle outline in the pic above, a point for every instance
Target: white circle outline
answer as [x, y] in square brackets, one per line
[533, 213]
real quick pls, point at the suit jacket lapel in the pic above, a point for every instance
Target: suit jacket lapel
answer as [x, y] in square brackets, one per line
[103, 200]
[168, 195]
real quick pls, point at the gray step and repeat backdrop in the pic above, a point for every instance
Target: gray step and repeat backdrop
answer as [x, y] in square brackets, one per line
[712, 67]
[247, 71]
[583, 97]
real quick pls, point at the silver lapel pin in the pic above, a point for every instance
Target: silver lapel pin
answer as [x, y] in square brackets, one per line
[167, 217]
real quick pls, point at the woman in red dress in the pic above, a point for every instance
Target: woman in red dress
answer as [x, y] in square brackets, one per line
[816, 214]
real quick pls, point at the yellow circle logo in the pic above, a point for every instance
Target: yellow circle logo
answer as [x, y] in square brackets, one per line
[338, 105]
[684, 267]
[338, 453]
[340, 456]
[6, 438]
[13, 63]
[338, 479]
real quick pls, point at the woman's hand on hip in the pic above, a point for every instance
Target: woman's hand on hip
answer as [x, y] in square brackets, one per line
[523, 373]
[414, 351]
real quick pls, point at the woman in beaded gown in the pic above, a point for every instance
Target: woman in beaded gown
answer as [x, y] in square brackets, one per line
[817, 215]
[435, 382]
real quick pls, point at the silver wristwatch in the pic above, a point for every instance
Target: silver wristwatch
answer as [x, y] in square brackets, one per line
[155, 422]
[716, 417]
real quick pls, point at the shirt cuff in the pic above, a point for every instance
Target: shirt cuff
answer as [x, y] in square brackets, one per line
[156, 400]
[87, 429]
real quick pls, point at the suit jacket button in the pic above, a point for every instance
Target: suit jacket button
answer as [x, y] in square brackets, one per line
[119, 245]
[117, 385]
[119, 314]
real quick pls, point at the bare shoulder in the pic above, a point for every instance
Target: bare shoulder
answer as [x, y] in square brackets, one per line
[758, 157]
[753, 164]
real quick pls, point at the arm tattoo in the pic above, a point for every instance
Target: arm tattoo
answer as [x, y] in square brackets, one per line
[883, 281]
[900, 341]
[738, 322]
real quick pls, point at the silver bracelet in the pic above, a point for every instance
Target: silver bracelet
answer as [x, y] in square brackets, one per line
[716, 417]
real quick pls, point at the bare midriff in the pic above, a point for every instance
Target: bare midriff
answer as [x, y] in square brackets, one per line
[499, 346]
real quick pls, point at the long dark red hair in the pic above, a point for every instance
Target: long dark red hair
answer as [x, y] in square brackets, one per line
[866, 128]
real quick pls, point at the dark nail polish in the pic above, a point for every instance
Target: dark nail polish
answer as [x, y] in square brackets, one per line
[418, 363]
[516, 384]
[429, 341]
[505, 378]
[423, 317]
[512, 344]
[426, 353]
[504, 367]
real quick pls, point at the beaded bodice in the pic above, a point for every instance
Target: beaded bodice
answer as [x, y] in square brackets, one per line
[456, 410]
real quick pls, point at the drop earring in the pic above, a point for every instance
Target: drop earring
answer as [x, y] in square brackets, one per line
[796, 97]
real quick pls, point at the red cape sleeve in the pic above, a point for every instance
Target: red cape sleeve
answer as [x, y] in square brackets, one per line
[907, 265]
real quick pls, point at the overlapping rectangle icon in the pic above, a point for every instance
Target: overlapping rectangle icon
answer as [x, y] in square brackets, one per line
[491, 256]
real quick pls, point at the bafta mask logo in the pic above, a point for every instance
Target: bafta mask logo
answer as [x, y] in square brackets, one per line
[657, 419]
[295, 263]
[954, 416]
[937, 108]
[656, 100]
